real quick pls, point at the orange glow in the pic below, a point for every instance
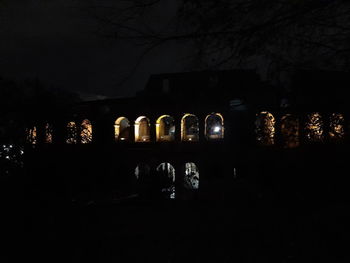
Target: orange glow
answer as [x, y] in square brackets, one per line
[31, 135]
[336, 126]
[122, 129]
[48, 133]
[86, 132]
[142, 129]
[265, 128]
[314, 127]
[71, 133]
[165, 129]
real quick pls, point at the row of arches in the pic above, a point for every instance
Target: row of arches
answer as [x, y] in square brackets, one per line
[140, 130]
[165, 128]
[165, 176]
[316, 128]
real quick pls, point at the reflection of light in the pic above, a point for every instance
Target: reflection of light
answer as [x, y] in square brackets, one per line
[122, 139]
[190, 139]
[217, 129]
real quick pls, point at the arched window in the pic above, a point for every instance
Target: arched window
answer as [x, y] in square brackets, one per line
[290, 131]
[48, 133]
[214, 126]
[142, 171]
[165, 129]
[336, 126]
[31, 135]
[86, 132]
[72, 133]
[191, 179]
[265, 128]
[142, 129]
[314, 128]
[166, 176]
[122, 129]
[189, 128]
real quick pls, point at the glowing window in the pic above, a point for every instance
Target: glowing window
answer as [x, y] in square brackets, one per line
[290, 131]
[189, 128]
[31, 136]
[48, 133]
[165, 129]
[142, 129]
[72, 133]
[265, 128]
[166, 176]
[86, 132]
[122, 129]
[336, 126]
[314, 128]
[191, 179]
[214, 126]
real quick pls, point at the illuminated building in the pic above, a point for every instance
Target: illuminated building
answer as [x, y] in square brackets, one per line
[188, 136]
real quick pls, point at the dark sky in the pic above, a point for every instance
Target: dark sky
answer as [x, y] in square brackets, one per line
[56, 41]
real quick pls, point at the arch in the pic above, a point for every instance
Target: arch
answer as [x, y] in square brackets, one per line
[86, 132]
[290, 131]
[314, 127]
[48, 133]
[265, 128]
[166, 177]
[336, 126]
[142, 129]
[189, 128]
[142, 171]
[31, 135]
[72, 133]
[122, 129]
[191, 178]
[165, 129]
[214, 126]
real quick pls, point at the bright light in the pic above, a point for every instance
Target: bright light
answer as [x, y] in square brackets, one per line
[217, 129]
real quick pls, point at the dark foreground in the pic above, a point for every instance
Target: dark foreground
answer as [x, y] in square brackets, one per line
[241, 230]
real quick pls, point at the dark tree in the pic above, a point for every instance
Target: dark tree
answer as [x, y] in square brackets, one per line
[28, 101]
[275, 36]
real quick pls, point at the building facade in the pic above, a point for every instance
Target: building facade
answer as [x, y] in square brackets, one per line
[205, 135]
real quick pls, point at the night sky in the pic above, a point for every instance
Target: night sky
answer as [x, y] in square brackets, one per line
[57, 42]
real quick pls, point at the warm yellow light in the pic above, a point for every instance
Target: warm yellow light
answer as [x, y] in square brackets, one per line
[314, 127]
[142, 129]
[165, 128]
[265, 128]
[86, 132]
[336, 126]
[71, 133]
[31, 135]
[48, 133]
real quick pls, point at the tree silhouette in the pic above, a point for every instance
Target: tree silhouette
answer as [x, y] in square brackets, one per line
[28, 101]
[274, 35]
